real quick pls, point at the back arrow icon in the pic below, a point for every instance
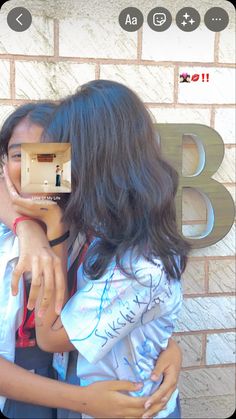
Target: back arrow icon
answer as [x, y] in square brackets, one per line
[17, 19]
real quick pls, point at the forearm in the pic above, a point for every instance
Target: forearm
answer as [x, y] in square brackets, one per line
[19, 384]
[7, 212]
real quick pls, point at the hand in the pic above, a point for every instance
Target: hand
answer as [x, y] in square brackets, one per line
[44, 210]
[104, 400]
[169, 364]
[36, 256]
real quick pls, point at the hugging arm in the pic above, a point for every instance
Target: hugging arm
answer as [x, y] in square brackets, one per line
[35, 254]
[19, 384]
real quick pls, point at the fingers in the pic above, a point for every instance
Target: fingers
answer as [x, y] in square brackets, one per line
[169, 357]
[48, 272]
[27, 203]
[157, 372]
[170, 381]
[132, 402]
[23, 210]
[17, 273]
[134, 413]
[154, 410]
[164, 392]
[38, 209]
[10, 187]
[160, 366]
[60, 285]
[30, 203]
[35, 283]
[124, 385]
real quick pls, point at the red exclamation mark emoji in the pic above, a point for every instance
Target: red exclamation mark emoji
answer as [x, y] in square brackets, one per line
[207, 75]
[203, 77]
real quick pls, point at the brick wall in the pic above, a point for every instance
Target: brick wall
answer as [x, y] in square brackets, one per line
[71, 42]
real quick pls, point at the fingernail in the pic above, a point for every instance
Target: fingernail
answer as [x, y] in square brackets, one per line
[154, 377]
[145, 416]
[164, 399]
[147, 404]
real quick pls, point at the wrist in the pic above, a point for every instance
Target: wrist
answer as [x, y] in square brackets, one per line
[18, 220]
[27, 225]
[75, 399]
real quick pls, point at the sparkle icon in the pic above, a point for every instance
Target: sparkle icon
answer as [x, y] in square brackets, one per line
[188, 19]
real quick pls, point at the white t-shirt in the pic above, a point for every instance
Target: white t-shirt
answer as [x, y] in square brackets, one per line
[11, 307]
[120, 325]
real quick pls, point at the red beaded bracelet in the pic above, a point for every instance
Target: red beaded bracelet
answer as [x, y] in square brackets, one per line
[18, 220]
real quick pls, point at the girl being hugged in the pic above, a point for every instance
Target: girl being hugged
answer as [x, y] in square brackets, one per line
[28, 385]
[129, 290]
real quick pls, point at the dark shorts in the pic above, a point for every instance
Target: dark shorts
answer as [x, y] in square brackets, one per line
[41, 363]
[58, 180]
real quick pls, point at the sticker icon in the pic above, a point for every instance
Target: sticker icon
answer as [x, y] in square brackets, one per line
[188, 19]
[216, 19]
[159, 19]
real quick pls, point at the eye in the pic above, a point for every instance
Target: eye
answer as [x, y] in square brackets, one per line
[16, 156]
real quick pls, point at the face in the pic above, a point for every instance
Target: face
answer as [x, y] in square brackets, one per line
[24, 132]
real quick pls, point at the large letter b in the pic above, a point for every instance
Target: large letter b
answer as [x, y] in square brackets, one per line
[220, 205]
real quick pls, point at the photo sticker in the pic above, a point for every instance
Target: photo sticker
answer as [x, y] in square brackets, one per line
[45, 168]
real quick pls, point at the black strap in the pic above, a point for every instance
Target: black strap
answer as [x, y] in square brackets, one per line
[59, 240]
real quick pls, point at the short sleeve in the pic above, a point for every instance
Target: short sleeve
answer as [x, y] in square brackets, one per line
[104, 311]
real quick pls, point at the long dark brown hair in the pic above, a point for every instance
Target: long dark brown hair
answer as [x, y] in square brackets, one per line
[122, 189]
